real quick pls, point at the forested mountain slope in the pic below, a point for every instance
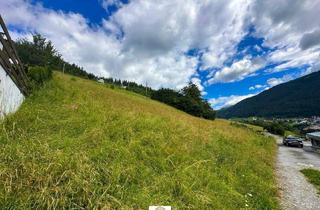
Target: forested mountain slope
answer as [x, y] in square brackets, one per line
[297, 98]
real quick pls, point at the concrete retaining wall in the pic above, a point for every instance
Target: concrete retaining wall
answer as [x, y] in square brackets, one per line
[10, 96]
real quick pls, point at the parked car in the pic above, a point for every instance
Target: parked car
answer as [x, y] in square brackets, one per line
[292, 141]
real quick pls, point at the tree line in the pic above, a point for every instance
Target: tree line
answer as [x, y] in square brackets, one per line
[188, 99]
[274, 127]
[40, 52]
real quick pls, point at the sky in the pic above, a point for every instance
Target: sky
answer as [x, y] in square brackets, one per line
[231, 49]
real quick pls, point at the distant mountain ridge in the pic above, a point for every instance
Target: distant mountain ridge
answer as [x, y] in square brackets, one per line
[297, 98]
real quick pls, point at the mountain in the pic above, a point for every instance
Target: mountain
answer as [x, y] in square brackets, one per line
[297, 98]
[79, 144]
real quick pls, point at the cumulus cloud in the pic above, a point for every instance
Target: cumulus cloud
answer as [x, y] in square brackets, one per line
[147, 41]
[155, 38]
[282, 22]
[293, 57]
[237, 71]
[221, 26]
[102, 52]
[226, 101]
[310, 39]
[289, 27]
[107, 3]
[311, 69]
[276, 81]
[258, 86]
[142, 40]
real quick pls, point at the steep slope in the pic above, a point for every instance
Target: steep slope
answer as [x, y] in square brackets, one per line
[297, 98]
[77, 144]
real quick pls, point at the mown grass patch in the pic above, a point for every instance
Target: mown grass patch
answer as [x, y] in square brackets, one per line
[77, 144]
[313, 177]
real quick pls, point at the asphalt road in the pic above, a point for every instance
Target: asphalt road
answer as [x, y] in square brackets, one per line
[295, 191]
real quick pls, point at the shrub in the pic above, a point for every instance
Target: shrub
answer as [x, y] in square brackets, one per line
[38, 75]
[275, 128]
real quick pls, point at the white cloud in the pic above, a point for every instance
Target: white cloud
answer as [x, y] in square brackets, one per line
[258, 86]
[276, 81]
[293, 57]
[237, 71]
[314, 68]
[289, 27]
[156, 36]
[226, 101]
[283, 21]
[309, 40]
[107, 3]
[148, 40]
[220, 27]
[100, 52]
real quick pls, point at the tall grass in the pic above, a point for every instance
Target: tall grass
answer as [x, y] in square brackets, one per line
[77, 144]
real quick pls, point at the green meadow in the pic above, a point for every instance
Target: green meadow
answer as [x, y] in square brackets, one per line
[78, 144]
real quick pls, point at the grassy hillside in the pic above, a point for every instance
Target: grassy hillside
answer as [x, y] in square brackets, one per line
[297, 98]
[77, 144]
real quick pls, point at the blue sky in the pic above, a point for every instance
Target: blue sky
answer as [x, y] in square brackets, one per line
[230, 49]
[93, 10]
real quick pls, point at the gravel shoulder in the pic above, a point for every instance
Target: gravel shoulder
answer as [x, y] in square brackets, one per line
[295, 191]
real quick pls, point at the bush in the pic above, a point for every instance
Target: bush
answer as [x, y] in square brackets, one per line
[275, 128]
[38, 75]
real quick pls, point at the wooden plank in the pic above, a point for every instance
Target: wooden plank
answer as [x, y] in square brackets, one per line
[5, 60]
[11, 53]
[11, 67]
[10, 73]
[19, 61]
[15, 69]
[14, 54]
[8, 50]
[4, 28]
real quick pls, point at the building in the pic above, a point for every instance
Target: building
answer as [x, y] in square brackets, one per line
[311, 129]
[13, 79]
[315, 139]
[100, 80]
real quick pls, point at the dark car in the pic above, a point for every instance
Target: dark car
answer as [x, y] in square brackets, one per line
[292, 141]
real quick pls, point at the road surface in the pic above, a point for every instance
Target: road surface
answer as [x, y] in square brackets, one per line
[296, 193]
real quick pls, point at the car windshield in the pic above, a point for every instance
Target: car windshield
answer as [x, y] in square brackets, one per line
[292, 139]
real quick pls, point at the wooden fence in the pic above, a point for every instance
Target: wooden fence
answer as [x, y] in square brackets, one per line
[10, 62]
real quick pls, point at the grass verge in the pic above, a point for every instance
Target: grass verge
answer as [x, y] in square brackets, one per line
[77, 144]
[313, 177]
